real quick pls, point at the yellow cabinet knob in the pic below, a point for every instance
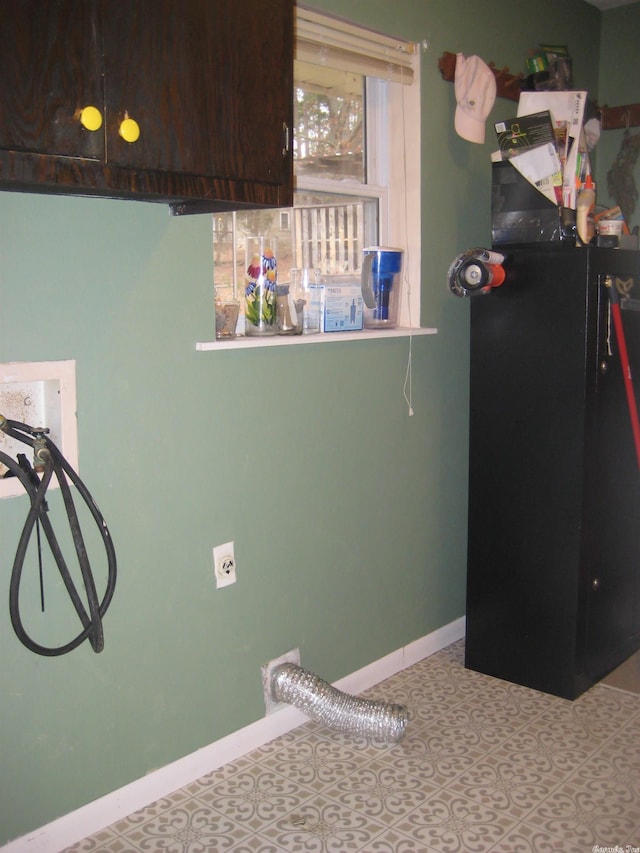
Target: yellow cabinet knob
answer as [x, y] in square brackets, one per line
[129, 130]
[91, 118]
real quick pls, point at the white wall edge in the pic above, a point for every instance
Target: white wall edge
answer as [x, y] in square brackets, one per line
[65, 831]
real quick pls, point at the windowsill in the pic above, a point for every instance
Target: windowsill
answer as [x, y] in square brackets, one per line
[322, 338]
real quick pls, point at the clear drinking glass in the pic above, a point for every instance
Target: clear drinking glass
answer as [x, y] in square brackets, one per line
[290, 310]
[306, 290]
[227, 311]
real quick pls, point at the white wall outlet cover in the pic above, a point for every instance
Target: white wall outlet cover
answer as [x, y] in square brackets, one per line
[40, 394]
[224, 564]
[270, 703]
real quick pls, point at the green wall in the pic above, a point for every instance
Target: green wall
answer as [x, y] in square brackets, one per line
[348, 516]
[619, 83]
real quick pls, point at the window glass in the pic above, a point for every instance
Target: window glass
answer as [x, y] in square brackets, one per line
[356, 126]
[231, 235]
[332, 230]
[329, 137]
[324, 230]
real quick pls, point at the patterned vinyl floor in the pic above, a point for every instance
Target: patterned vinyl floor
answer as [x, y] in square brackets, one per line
[484, 766]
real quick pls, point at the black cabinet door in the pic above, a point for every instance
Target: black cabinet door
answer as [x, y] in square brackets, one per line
[50, 69]
[530, 379]
[553, 587]
[613, 582]
[207, 81]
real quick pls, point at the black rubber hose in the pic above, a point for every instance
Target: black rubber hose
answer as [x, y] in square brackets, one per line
[54, 462]
[96, 636]
[99, 520]
[24, 463]
[38, 504]
[16, 429]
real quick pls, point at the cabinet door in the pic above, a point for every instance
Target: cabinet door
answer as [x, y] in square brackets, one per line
[207, 81]
[614, 579]
[528, 370]
[50, 68]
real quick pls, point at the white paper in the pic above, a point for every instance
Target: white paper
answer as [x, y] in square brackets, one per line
[541, 167]
[565, 107]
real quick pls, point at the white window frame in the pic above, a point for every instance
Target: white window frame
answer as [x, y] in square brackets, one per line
[393, 102]
[393, 167]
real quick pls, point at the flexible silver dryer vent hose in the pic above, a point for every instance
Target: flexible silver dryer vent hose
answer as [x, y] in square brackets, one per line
[381, 721]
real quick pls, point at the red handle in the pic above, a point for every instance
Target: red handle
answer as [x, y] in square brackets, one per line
[626, 367]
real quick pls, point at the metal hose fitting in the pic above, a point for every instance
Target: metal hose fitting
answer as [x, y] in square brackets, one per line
[41, 454]
[381, 721]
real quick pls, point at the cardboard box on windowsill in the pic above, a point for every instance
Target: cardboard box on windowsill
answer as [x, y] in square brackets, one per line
[343, 307]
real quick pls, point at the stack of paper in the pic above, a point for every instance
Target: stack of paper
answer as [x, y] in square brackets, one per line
[545, 142]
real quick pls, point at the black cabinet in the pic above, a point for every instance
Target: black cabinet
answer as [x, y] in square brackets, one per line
[553, 588]
[192, 100]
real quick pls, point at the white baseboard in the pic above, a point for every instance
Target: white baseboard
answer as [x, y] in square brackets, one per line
[87, 820]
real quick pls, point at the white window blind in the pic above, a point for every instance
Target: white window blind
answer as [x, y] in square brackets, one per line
[341, 45]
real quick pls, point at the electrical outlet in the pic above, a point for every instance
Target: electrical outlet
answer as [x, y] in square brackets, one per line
[270, 703]
[224, 564]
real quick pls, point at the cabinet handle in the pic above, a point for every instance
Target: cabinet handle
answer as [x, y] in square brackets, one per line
[286, 138]
[129, 129]
[91, 118]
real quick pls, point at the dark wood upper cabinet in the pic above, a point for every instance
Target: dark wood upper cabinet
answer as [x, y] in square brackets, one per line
[205, 85]
[50, 66]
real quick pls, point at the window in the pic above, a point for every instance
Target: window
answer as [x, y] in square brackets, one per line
[356, 162]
